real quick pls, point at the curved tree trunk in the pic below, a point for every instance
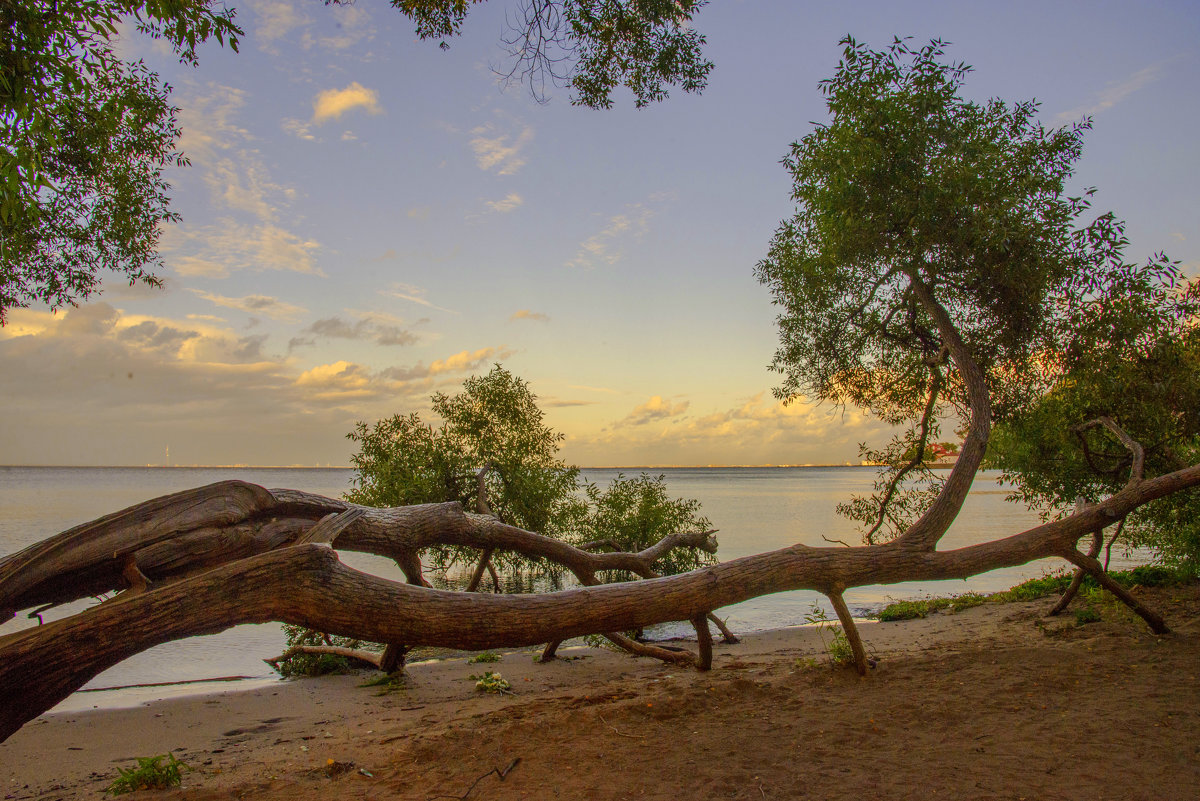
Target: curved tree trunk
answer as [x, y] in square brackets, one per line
[307, 585]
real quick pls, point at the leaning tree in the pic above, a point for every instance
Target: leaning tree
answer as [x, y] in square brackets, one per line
[932, 273]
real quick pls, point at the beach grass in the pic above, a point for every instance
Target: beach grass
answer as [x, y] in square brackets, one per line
[1031, 590]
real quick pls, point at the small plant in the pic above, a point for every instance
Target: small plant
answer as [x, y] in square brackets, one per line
[302, 664]
[838, 644]
[1086, 615]
[491, 682]
[151, 773]
[486, 656]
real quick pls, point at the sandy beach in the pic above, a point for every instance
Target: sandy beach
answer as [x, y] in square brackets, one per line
[995, 702]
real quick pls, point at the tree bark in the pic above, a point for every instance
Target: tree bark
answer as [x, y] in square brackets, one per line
[1077, 579]
[851, 630]
[1153, 620]
[307, 585]
[369, 658]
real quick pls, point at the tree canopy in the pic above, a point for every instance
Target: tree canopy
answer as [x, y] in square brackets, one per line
[85, 136]
[84, 140]
[934, 236]
[493, 444]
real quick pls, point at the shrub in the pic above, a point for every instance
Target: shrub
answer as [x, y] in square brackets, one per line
[151, 773]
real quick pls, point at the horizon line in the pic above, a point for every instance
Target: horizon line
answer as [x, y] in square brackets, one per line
[350, 467]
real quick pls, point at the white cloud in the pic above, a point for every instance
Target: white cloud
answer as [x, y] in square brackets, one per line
[245, 185]
[216, 250]
[333, 103]
[255, 304]
[275, 20]
[351, 25]
[510, 202]
[298, 129]
[413, 294]
[196, 266]
[1112, 94]
[208, 122]
[499, 152]
[241, 185]
[604, 246]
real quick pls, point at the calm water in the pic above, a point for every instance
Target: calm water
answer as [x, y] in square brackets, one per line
[756, 510]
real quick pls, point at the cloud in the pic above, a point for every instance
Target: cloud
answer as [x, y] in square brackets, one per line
[509, 203]
[604, 247]
[241, 185]
[333, 103]
[499, 152]
[418, 213]
[245, 185]
[298, 129]
[654, 409]
[413, 294]
[196, 266]
[207, 122]
[342, 380]
[275, 19]
[366, 328]
[563, 403]
[351, 25]
[150, 334]
[257, 304]
[462, 362]
[99, 386]
[215, 250]
[757, 430]
[526, 314]
[1112, 94]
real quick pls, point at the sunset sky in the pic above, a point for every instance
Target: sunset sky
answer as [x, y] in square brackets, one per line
[368, 219]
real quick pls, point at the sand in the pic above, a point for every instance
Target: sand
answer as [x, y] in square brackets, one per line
[995, 702]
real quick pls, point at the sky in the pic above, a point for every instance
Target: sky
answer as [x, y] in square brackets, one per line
[368, 219]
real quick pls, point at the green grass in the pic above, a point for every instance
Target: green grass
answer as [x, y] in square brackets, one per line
[151, 773]
[1054, 584]
[485, 656]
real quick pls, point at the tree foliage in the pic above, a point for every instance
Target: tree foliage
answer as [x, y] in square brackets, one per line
[913, 199]
[632, 514]
[493, 432]
[84, 140]
[593, 46]
[85, 136]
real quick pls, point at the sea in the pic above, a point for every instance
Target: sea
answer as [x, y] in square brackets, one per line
[755, 509]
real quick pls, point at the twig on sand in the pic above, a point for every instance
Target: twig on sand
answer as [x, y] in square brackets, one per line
[503, 774]
[620, 733]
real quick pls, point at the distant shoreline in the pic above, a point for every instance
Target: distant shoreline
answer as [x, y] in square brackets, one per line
[350, 467]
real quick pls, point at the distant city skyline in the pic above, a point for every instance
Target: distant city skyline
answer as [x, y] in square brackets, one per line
[369, 219]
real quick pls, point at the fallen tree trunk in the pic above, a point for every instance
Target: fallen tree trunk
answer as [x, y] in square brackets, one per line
[178, 535]
[307, 585]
